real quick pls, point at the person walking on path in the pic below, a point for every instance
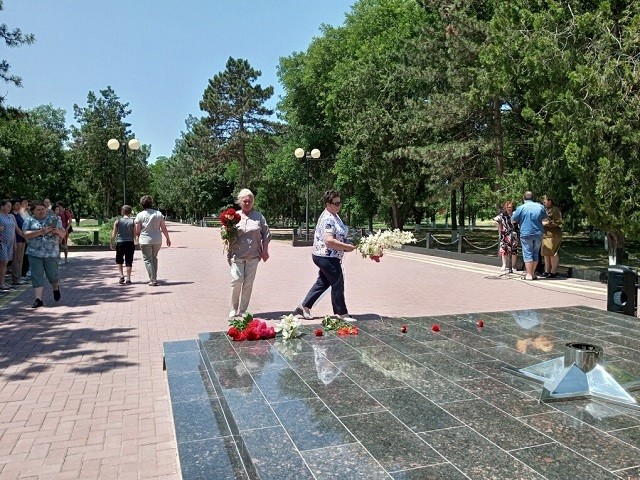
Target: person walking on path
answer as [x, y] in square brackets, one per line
[329, 246]
[529, 216]
[8, 231]
[508, 237]
[245, 252]
[149, 228]
[43, 233]
[122, 242]
[551, 238]
[19, 247]
[66, 216]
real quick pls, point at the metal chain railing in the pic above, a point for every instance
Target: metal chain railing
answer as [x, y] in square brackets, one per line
[583, 259]
[480, 248]
[443, 243]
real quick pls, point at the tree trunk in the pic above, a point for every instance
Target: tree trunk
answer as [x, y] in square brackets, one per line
[615, 244]
[454, 208]
[395, 216]
[497, 131]
[461, 209]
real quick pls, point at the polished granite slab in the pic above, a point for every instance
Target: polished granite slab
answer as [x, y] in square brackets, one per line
[415, 405]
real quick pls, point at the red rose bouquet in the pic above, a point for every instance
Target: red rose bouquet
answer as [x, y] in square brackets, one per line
[250, 328]
[229, 219]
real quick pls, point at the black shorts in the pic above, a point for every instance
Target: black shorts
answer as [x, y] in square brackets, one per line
[124, 253]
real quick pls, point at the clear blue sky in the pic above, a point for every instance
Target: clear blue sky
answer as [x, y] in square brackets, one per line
[158, 55]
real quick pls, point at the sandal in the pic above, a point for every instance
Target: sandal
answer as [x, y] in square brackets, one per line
[128, 282]
[121, 281]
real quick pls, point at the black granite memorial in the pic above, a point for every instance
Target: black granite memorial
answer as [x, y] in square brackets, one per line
[393, 405]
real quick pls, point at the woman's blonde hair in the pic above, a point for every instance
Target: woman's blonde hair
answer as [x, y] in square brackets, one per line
[245, 192]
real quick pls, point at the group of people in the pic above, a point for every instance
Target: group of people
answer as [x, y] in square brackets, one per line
[538, 228]
[252, 245]
[146, 229]
[32, 234]
[45, 230]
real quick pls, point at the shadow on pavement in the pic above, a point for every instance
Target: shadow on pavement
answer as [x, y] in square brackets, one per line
[35, 341]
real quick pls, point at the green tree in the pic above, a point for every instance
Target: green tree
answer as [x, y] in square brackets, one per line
[99, 169]
[12, 38]
[235, 111]
[193, 182]
[577, 65]
[32, 159]
[350, 90]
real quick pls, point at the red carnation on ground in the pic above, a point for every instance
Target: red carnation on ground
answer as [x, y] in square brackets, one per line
[319, 332]
[480, 323]
[403, 329]
[435, 327]
[376, 258]
[347, 330]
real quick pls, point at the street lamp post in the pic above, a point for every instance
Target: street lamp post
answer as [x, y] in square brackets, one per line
[134, 144]
[300, 153]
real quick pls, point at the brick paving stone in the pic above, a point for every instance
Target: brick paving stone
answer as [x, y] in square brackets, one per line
[81, 383]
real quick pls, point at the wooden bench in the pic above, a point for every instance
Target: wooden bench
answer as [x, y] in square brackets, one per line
[210, 222]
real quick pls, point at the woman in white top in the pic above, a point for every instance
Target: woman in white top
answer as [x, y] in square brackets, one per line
[150, 227]
[329, 245]
[246, 251]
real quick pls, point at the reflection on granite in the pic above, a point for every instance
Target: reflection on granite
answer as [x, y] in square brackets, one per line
[273, 455]
[390, 442]
[596, 445]
[475, 456]
[501, 428]
[354, 460]
[557, 462]
[419, 405]
[209, 459]
[311, 424]
[433, 472]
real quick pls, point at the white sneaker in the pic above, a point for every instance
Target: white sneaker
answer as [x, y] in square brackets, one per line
[303, 312]
[233, 314]
[347, 318]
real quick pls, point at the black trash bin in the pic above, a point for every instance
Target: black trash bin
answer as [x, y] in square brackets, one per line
[622, 290]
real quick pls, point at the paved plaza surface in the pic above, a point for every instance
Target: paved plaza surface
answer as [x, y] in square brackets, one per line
[82, 390]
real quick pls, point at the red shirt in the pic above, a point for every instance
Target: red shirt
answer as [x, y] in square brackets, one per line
[66, 218]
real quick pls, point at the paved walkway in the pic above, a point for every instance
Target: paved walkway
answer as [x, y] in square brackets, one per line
[82, 391]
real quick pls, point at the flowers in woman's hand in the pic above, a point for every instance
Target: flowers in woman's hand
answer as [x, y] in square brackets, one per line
[229, 232]
[250, 328]
[373, 246]
[289, 327]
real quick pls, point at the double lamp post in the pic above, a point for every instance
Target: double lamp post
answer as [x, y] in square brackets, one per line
[314, 154]
[133, 144]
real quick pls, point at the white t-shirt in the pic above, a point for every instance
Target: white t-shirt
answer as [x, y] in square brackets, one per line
[149, 221]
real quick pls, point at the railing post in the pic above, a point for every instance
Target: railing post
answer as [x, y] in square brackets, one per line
[460, 247]
[428, 241]
[96, 238]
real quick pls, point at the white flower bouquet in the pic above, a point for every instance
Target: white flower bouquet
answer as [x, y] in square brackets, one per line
[373, 246]
[288, 327]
